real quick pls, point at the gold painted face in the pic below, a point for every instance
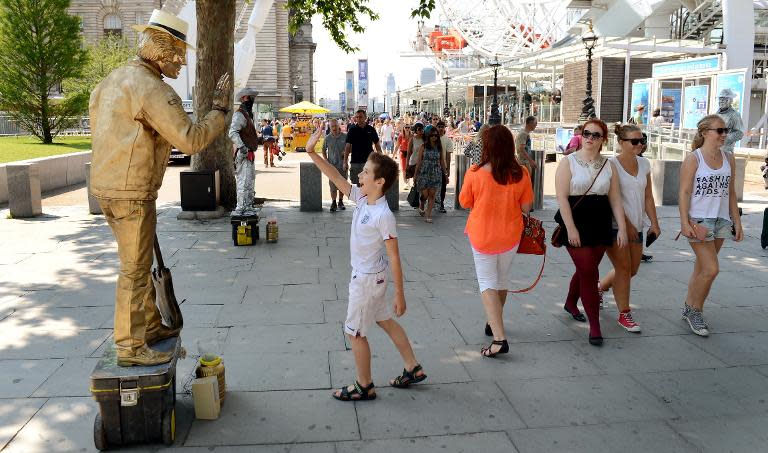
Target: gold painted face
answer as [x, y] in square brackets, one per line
[167, 52]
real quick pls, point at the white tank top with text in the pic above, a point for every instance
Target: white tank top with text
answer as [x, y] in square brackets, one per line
[711, 189]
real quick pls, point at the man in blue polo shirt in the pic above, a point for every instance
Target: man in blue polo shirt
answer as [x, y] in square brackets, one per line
[361, 139]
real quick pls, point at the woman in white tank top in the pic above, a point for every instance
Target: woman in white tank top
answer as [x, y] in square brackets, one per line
[635, 180]
[707, 201]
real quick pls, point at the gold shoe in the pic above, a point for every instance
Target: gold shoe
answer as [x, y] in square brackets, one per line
[142, 356]
[161, 334]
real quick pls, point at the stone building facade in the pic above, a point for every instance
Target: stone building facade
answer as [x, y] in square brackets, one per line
[283, 69]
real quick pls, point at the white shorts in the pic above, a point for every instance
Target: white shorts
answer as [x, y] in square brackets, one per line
[367, 302]
[494, 271]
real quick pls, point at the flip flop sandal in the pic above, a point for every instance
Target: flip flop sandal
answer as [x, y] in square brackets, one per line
[428, 220]
[358, 393]
[409, 377]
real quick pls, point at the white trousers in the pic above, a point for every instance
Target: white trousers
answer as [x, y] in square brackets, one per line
[494, 271]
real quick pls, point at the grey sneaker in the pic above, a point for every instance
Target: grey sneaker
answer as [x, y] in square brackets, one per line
[696, 321]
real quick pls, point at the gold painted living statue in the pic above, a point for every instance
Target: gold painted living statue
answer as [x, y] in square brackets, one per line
[135, 117]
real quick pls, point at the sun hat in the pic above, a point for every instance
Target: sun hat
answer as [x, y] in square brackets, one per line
[167, 23]
[246, 92]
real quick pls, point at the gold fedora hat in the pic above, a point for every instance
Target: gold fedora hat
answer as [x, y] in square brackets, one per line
[168, 23]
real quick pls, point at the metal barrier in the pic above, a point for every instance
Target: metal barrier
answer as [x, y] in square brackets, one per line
[9, 127]
[538, 179]
[462, 165]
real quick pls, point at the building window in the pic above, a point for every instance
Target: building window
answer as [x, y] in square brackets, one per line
[113, 26]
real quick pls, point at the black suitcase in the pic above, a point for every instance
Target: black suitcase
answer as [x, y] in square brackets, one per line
[136, 404]
[245, 230]
[764, 236]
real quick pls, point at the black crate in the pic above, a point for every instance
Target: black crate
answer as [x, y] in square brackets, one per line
[251, 224]
[199, 190]
[136, 404]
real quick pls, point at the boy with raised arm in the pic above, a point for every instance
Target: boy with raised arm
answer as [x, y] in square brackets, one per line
[373, 234]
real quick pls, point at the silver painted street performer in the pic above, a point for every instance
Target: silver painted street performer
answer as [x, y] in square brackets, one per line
[135, 117]
[731, 118]
[245, 141]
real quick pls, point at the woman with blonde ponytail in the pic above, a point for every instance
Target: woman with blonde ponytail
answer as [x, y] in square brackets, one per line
[708, 209]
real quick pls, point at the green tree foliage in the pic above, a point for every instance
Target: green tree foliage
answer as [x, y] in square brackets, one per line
[108, 54]
[338, 15]
[40, 47]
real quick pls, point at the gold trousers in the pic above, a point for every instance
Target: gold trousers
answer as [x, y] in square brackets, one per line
[133, 224]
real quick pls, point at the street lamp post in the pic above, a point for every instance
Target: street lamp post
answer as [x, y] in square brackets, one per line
[418, 99]
[397, 108]
[446, 111]
[588, 104]
[495, 117]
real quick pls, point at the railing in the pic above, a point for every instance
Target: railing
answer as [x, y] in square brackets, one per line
[698, 23]
[9, 127]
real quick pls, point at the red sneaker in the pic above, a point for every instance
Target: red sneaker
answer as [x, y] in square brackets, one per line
[625, 320]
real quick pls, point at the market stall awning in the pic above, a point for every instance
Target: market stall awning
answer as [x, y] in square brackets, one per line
[305, 107]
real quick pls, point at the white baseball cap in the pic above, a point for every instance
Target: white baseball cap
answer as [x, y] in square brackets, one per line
[167, 23]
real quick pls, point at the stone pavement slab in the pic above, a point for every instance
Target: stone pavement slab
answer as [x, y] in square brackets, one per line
[277, 417]
[277, 371]
[20, 342]
[61, 425]
[14, 414]
[20, 378]
[296, 338]
[431, 410]
[631, 437]
[715, 392]
[736, 349]
[491, 442]
[72, 378]
[737, 434]
[582, 400]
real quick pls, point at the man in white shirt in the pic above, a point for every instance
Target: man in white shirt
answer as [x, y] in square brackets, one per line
[447, 144]
[388, 136]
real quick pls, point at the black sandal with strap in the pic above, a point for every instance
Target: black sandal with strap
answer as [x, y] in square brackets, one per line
[409, 377]
[352, 395]
[486, 350]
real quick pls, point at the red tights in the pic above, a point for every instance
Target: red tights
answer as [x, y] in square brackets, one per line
[584, 284]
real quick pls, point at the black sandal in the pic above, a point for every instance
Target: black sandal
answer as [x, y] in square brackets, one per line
[488, 331]
[350, 395]
[409, 377]
[486, 350]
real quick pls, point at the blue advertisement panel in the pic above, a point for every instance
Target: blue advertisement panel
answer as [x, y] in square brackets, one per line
[640, 94]
[362, 84]
[734, 81]
[671, 103]
[691, 65]
[695, 100]
[343, 101]
[349, 90]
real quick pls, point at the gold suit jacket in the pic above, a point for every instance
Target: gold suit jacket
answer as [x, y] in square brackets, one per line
[135, 117]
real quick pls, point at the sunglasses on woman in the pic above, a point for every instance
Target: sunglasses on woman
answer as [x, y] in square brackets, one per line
[721, 130]
[590, 134]
[635, 141]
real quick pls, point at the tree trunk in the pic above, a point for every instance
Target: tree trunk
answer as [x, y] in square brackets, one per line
[215, 55]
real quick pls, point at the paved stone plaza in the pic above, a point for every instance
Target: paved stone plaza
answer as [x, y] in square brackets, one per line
[275, 313]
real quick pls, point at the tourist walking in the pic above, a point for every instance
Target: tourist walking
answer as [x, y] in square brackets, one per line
[708, 210]
[403, 139]
[498, 191]
[524, 145]
[447, 145]
[387, 136]
[373, 250]
[333, 152]
[634, 174]
[417, 139]
[575, 143]
[361, 139]
[430, 171]
[474, 148]
[588, 193]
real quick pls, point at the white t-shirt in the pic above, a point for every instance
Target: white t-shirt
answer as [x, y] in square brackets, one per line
[372, 224]
[447, 145]
[710, 198]
[387, 133]
[583, 173]
[633, 191]
[417, 142]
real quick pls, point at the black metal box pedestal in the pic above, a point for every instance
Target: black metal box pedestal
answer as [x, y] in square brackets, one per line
[137, 404]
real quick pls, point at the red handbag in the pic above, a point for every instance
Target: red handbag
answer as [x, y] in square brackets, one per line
[532, 243]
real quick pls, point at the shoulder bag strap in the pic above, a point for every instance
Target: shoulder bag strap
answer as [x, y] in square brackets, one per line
[590, 186]
[158, 254]
[535, 282]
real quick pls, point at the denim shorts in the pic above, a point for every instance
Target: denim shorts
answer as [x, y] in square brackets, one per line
[718, 228]
[639, 237]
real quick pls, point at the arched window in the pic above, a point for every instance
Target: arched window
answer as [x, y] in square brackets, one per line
[113, 26]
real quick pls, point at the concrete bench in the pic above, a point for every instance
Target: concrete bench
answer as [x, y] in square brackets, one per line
[24, 198]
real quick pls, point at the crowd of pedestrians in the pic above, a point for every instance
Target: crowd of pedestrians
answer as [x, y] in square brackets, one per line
[603, 207]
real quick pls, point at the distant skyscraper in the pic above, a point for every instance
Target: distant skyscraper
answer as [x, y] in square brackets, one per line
[428, 75]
